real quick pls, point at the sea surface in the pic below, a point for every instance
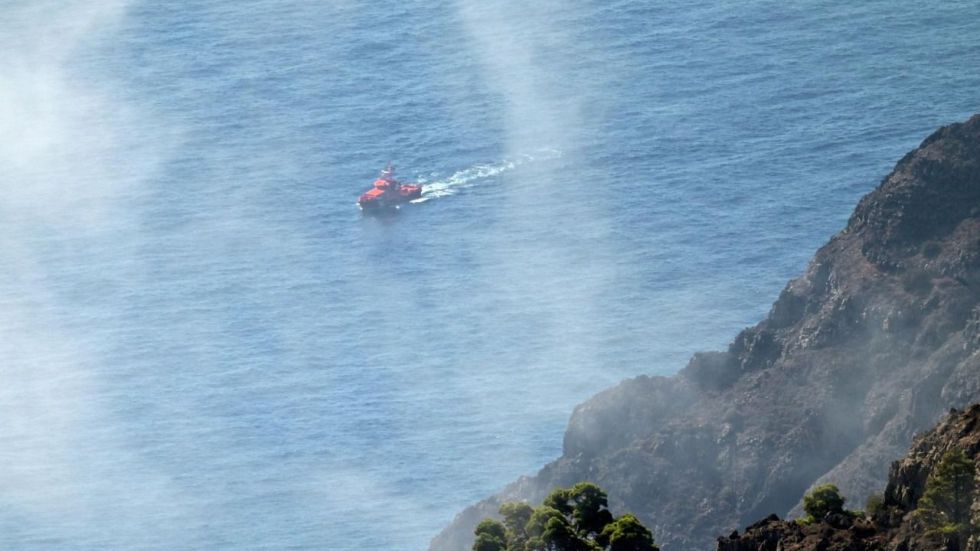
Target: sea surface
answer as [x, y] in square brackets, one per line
[205, 345]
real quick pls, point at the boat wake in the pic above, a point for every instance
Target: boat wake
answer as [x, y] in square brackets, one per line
[472, 176]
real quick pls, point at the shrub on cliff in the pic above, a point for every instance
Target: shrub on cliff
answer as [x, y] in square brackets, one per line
[587, 505]
[569, 519]
[874, 505]
[490, 536]
[516, 516]
[823, 500]
[627, 534]
[948, 496]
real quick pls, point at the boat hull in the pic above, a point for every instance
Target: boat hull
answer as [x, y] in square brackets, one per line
[373, 201]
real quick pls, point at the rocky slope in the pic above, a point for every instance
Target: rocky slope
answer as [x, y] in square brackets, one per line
[870, 345]
[894, 525]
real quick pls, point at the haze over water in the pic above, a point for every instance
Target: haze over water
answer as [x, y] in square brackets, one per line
[205, 345]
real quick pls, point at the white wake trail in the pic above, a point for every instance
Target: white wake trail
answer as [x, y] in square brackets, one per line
[472, 176]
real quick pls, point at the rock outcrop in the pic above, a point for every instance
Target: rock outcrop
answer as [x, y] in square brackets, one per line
[871, 344]
[894, 525]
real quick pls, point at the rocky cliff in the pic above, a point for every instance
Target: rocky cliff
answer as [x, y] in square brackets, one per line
[871, 344]
[894, 525]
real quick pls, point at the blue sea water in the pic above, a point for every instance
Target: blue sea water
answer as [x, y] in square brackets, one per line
[206, 345]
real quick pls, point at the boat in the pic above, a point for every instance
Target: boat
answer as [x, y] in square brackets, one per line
[388, 192]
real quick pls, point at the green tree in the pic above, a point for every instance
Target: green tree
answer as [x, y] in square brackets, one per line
[516, 517]
[539, 520]
[485, 542]
[490, 536]
[561, 536]
[558, 500]
[822, 501]
[589, 508]
[949, 492]
[627, 534]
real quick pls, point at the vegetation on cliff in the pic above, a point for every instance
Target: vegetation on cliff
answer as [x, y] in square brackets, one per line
[823, 500]
[948, 497]
[569, 519]
[931, 503]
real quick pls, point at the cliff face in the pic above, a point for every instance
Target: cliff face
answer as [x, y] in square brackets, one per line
[893, 526]
[869, 346]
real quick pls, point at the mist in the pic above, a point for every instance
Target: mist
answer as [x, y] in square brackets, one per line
[556, 268]
[71, 163]
[539, 279]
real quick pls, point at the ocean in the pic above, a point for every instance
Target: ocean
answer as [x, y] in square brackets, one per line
[207, 346]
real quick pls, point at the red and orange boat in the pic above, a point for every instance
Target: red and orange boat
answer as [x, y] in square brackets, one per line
[388, 192]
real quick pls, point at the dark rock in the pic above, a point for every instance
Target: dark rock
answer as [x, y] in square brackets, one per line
[863, 528]
[840, 521]
[768, 520]
[871, 344]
